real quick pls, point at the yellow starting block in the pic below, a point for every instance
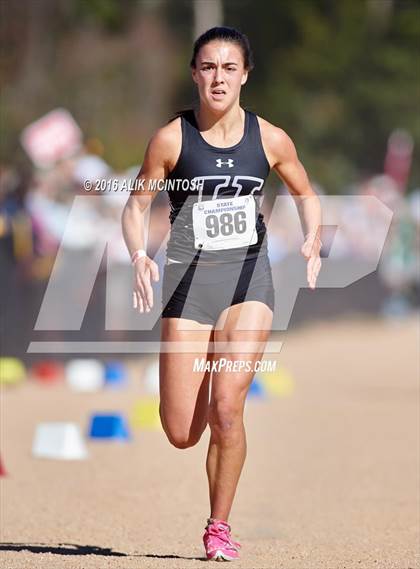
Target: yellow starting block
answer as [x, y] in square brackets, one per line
[146, 414]
[12, 371]
[279, 383]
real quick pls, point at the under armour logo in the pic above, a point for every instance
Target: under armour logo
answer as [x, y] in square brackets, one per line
[229, 162]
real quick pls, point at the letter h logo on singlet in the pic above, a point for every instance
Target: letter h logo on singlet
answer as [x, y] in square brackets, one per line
[220, 162]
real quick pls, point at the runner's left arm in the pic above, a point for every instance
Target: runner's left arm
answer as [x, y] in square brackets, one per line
[282, 155]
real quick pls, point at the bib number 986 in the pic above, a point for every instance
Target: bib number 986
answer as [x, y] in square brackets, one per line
[226, 223]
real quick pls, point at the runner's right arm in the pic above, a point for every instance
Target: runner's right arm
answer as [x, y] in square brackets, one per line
[160, 158]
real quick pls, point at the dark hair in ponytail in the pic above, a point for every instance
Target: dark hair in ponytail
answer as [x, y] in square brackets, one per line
[224, 33]
[180, 113]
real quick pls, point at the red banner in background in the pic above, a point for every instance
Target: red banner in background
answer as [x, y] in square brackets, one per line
[398, 157]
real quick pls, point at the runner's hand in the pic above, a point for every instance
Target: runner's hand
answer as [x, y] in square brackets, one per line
[310, 250]
[144, 270]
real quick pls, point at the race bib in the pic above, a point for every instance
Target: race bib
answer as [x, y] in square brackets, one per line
[225, 223]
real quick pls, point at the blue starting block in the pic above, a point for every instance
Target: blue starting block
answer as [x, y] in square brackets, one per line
[115, 374]
[109, 426]
[256, 389]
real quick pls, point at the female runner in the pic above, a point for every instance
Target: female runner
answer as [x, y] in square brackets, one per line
[217, 281]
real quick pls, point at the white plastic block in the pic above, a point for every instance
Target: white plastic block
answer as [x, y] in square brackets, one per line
[61, 441]
[85, 375]
[151, 378]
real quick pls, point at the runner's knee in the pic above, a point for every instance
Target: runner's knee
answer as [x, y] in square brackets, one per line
[182, 440]
[179, 438]
[224, 415]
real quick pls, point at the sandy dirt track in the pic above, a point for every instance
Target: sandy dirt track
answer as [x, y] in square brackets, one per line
[331, 478]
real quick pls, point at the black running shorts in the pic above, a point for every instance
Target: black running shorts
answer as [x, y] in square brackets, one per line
[202, 292]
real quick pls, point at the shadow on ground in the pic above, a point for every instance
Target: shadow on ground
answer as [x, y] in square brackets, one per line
[75, 549]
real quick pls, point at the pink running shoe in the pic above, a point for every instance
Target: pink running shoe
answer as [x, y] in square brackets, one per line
[218, 542]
